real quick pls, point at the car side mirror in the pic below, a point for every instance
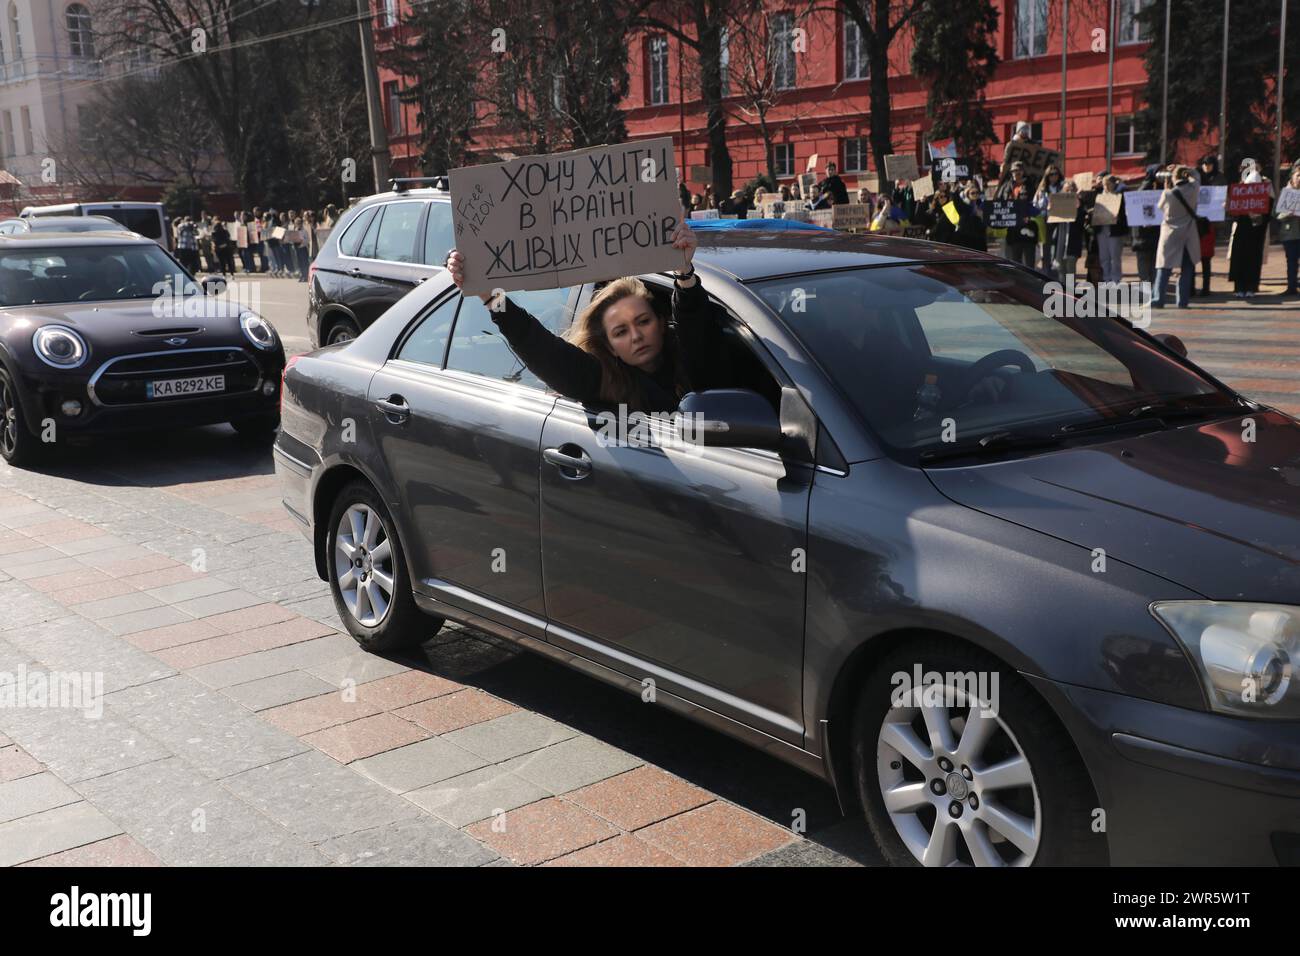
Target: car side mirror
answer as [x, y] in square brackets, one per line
[1171, 342]
[729, 418]
[213, 285]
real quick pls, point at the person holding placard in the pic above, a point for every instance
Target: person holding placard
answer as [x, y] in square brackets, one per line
[620, 350]
[1146, 237]
[1111, 235]
[1210, 176]
[1048, 186]
[1289, 232]
[1246, 247]
[1178, 237]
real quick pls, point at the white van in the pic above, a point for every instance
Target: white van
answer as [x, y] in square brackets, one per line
[148, 219]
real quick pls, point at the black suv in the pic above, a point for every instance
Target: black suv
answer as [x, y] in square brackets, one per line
[381, 248]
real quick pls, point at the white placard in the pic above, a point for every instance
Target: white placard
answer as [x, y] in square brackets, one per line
[1210, 202]
[1289, 201]
[1143, 206]
[705, 214]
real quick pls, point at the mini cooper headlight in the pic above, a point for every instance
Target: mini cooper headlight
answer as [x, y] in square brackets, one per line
[59, 346]
[1246, 653]
[257, 330]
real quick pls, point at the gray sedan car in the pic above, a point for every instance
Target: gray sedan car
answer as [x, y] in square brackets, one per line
[1023, 589]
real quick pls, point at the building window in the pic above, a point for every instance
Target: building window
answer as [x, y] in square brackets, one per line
[856, 153]
[855, 51]
[28, 146]
[1035, 132]
[657, 55]
[781, 31]
[1127, 140]
[388, 14]
[1131, 30]
[11, 148]
[81, 41]
[15, 34]
[783, 159]
[1030, 28]
[394, 103]
[724, 60]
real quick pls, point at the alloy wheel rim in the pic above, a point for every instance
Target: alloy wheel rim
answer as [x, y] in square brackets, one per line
[340, 335]
[363, 564]
[9, 432]
[956, 783]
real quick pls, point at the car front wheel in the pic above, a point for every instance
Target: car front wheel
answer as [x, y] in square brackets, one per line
[340, 331]
[18, 446]
[368, 577]
[957, 761]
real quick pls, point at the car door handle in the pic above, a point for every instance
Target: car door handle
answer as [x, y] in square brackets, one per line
[394, 408]
[354, 271]
[579, 464]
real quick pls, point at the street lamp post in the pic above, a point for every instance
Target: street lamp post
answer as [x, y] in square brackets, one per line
[1281, 67]
[1110, 83]
[1164, 105]
[1065, 45]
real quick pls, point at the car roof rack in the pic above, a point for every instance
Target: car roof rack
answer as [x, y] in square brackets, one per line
[404, 183]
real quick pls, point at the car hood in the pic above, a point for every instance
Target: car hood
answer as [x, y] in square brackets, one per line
[1198, 505]
[135, 316]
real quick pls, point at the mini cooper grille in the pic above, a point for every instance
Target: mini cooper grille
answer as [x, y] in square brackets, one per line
[123, 381]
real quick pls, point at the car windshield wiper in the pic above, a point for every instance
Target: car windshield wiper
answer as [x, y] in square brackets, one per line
[1168, 411]
[991, 444]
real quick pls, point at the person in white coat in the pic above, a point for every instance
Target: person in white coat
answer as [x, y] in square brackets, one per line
[1180, 243]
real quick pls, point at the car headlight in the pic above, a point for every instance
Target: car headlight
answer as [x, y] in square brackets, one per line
[257, 330]
[59, 346]
[1244, 652]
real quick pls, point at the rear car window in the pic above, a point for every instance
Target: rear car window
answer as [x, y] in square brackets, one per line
[427, 344]
[146, 222]
[396, 239]
[350, 241]
[477, 345]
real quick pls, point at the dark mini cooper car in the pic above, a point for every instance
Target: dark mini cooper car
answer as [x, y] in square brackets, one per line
[103, 333]
[1023, 589]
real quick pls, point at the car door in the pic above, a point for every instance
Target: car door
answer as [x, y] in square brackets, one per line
[387, 263]
[680, 565]
[459, 423]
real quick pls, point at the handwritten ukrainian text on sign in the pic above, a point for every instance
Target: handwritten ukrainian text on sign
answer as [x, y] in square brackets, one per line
[1249, 199]
[541, 222]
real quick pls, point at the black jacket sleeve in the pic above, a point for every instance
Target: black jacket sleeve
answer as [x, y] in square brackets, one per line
[560, 364]
[699, 335]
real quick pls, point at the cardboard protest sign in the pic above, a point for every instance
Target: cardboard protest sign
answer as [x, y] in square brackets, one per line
[1105, 212]
[824, 217]
[870, 181]
[1249, 199]
[952, 168]
[812, 163]
[1035, 157]
[1143, 207]
[701, 174]
[854, 215]
[542, 222]
[922, 188]
[1085, 181]
[704, 214]
[1062, 207]
[1004, 213]
[1289, 201]
[806, 183]
[900, 166]
[1211, 203]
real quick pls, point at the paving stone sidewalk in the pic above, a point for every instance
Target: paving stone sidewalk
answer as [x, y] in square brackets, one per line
[241, 726]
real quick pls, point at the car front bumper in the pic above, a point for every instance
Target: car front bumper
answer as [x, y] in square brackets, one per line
[1181, 787]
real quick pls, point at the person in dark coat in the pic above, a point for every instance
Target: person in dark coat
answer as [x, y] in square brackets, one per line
[1211, 175]
[1146, 239]
[832, 184]
[1249, 233]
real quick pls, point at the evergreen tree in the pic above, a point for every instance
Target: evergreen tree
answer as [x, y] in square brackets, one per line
[954, 55]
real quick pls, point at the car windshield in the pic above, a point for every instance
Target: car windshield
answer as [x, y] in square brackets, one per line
[85, 273]
[941, 355]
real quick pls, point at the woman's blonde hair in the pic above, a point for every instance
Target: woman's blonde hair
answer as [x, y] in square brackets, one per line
[617, 384]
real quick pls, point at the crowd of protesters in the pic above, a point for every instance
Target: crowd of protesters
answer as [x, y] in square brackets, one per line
[957, 210]
[278, 244]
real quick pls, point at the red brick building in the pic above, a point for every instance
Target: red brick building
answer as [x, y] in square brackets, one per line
[823, 106]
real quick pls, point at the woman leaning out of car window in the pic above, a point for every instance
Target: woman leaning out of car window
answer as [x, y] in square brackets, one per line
[620, 350]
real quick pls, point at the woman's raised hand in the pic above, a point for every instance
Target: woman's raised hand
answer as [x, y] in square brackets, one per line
[456, 266]
[684, 239]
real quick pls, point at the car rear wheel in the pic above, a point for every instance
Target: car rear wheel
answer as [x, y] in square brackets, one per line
[970, 767]
[341, 330]
[18, 446]
[368, 577]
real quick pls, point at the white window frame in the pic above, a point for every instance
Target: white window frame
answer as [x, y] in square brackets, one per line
[81, 33]
[781, 50]
[657, 57]
[783, 151]
[855, 52]
[1029, 26]
[1134, 147]
[1130, 30]
[864, 154]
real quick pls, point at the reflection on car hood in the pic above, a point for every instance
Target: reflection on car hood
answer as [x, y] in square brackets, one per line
[111, 319]
[1198, 505]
